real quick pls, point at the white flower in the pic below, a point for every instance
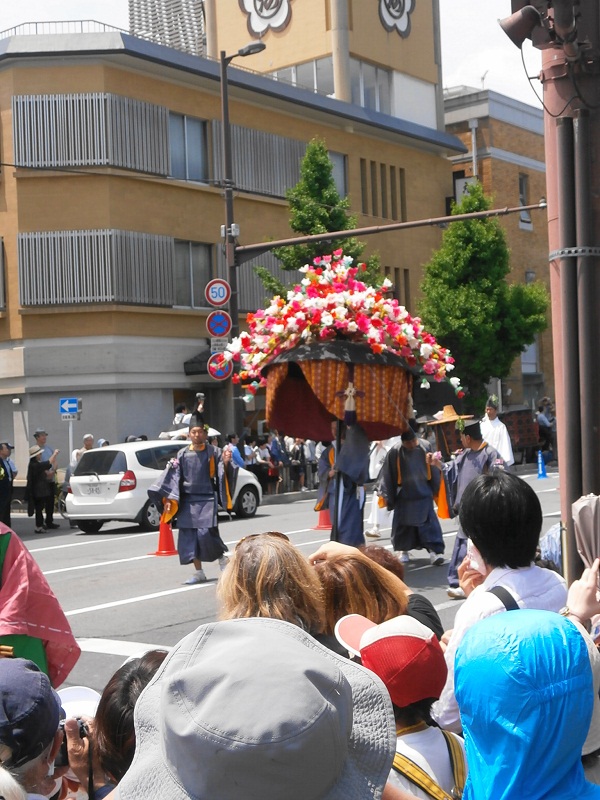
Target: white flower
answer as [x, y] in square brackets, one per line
[426, 350]
[326, 319]
[454, 381]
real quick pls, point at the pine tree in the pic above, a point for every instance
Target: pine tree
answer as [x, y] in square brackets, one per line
[469, 306]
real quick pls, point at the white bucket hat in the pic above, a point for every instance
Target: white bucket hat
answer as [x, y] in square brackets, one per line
[256, 708]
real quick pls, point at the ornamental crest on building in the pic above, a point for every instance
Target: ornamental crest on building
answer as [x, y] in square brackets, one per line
[395, 14]
[265, 14]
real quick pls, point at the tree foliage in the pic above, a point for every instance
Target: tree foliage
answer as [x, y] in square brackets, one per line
[316, 207]
[469, 306]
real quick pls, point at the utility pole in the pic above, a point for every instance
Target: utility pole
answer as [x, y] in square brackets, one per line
[568, 33]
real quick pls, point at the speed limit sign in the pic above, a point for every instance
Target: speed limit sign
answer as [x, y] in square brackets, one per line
[217, 292]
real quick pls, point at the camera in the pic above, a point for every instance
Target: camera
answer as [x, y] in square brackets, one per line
[62, 757]
[200, 395]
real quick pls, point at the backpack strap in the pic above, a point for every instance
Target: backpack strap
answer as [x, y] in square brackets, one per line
[505, 597]
[419, 777]
[459, 767]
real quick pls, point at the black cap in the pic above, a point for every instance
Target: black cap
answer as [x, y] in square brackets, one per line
[408, 435]
[492, 402]
[7, 444]
[197, 420]
[470, 427]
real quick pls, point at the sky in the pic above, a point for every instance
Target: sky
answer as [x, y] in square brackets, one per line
[475, 51]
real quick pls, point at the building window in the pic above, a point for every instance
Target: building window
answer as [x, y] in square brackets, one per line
[407, 288]
[384, 190]
[525, 217]
[370, 86]
[193, 271]
[188, 148]
[324, 76]
[529, 358]
[403, 212]
[364, 187]
[374, 194]
[338, 173]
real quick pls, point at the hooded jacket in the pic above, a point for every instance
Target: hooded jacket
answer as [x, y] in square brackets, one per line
[523, 683]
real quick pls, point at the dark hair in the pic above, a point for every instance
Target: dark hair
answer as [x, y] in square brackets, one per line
[503, 517]
[231, 437]
[414, 713]
[180, 408]
[383, 557]
[114, 733]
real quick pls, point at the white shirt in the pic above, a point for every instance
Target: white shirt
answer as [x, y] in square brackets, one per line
[428, 750]
[532, 587]
[495, 434]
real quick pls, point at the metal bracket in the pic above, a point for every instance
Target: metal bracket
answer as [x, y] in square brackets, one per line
[574, 252]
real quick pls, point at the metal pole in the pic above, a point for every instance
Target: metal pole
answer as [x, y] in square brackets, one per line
[570, 450]
[230, 249]
[586, 293]
[249, 250]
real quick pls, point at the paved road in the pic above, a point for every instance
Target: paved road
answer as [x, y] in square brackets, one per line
[120, 598]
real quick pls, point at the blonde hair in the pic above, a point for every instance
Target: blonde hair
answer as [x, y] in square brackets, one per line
[269, 577]
[354, 584]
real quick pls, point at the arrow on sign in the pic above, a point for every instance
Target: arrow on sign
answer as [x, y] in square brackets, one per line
[68, 405]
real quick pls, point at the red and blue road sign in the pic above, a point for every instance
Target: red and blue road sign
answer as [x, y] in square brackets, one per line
[218, 369]
[218, 323]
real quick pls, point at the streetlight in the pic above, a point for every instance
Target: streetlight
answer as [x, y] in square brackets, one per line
[231, 231]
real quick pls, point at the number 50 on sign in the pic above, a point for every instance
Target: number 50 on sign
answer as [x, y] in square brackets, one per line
[217, 292]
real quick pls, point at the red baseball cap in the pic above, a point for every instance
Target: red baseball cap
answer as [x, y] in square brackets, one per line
[402, 652]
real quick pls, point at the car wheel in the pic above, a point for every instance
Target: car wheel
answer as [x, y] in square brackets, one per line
[150, 517]
[89, 525]
[247, 502]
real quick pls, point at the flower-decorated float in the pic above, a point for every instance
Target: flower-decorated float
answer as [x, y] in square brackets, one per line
[335, 348]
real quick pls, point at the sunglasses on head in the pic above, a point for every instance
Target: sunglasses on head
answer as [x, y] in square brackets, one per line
[268, 533]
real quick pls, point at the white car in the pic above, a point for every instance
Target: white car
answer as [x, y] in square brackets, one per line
[111, 483]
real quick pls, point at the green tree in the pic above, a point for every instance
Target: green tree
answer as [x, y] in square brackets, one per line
[469, 306]
[316, 207]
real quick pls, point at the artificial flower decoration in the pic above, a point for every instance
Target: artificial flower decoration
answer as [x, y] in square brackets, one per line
[329, 303]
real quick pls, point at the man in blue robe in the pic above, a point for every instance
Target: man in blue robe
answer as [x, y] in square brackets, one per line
[477, 458]
[190, 487]
[349, 471]
[408, 485]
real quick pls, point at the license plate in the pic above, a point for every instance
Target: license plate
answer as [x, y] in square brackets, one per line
[93, 490]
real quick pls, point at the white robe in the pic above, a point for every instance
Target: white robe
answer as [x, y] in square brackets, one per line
[494, 432]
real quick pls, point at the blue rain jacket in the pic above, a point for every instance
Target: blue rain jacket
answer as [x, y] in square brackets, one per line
[523, 683]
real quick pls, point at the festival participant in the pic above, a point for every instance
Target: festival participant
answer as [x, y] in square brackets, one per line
[190, 488]
[476, 458]
[525, 689]
[357, 582]
[409, 660]
[495, 433]
[408, 486]
[502, 516]
[32, 622]
[268, 577]
[348, 470]
[259, 704]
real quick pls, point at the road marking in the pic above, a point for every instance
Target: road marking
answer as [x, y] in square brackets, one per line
[139, 599]
[93, 541]
[97, 564]
[449, 604]
[116, 647]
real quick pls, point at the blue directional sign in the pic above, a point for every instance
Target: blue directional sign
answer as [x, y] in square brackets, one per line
[67, 405]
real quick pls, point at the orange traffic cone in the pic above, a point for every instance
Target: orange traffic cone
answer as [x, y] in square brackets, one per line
[166, 545]
[324, 523]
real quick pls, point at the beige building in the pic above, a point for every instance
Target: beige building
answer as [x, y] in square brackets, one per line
[505, 141]
[111, 200]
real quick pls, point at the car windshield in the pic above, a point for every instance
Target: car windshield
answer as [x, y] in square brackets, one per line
[101, 462]
[157, 457]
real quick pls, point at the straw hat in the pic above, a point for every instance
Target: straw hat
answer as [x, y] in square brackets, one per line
[448, 414]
